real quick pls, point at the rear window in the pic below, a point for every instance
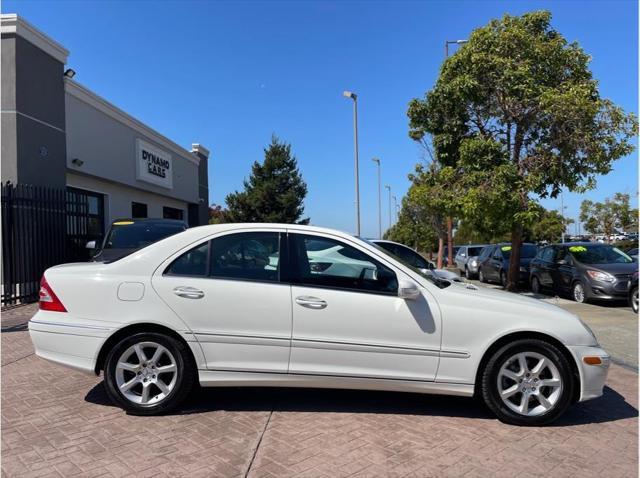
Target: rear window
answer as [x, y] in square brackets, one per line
[139, 234]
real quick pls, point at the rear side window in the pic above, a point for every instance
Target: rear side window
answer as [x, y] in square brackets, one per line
[192, 263]
[325, 262]
[246, 256]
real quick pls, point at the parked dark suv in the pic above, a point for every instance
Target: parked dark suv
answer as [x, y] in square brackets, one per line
[494, 263]
[585, 270]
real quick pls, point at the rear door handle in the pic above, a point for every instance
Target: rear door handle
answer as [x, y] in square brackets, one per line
[188, 292]
[310, 302]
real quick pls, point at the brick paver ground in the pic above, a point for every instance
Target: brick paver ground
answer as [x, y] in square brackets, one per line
[59, 422]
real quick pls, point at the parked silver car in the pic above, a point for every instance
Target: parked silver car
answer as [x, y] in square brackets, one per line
[467, 259]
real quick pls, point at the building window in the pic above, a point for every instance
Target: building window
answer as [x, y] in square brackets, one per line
[138, 210]
[172, 213]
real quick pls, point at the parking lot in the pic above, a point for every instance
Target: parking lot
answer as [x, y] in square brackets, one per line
[58, 422]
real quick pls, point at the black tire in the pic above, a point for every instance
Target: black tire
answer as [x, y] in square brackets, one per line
[489, 382]
[535, 285]
[503, 279]
[576, 295]
[184, 382]
[481, 276]
[633, 299]
[467, 274]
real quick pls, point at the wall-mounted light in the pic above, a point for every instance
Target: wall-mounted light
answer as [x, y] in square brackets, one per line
[77, 162]
[70, 73]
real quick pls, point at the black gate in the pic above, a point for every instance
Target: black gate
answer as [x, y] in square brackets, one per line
[42, 227]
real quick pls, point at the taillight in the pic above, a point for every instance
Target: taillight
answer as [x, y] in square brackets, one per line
[48, 299]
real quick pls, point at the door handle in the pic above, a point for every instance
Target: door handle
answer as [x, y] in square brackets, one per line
[188, 292]
[310, 302]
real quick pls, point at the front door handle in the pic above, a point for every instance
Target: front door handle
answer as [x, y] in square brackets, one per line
[310, 302]
[188, 292]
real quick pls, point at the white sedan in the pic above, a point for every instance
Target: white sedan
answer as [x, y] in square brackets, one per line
[261, 305]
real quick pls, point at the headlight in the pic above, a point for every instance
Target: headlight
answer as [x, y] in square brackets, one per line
[473, 262]
[601, 276]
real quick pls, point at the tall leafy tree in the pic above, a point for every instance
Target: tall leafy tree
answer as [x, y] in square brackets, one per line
[609, 216]
[274, 192]
[519, 109]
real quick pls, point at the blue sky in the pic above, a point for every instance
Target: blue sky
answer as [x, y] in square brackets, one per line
[231, 74]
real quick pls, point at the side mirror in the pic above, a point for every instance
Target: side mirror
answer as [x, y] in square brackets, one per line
[91, 245]
[408, 290]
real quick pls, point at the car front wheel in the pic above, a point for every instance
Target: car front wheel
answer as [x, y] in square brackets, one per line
[481, 276]
[467, 273]
[149, 373]
[528, 382]
[578, 293]
[633, 299]
[535, 285]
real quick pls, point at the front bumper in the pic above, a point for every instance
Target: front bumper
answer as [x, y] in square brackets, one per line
[617, 290]
[592, 377]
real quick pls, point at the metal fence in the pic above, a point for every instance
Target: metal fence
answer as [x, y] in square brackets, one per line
[41, 228]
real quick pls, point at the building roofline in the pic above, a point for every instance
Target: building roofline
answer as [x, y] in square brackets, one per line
[12, 23]
[85, 95]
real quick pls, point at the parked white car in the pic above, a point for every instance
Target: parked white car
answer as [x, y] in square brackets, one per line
[258, 305]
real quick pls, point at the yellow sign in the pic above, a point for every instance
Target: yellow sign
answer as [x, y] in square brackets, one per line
[505, 248]
[122, 223]
[577, 249]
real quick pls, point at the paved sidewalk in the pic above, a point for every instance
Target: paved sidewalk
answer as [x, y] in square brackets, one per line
[59, 422]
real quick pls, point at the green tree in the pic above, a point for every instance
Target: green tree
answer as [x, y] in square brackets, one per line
[609, 216]
[275, 191]
[549, 227]
[519, 109]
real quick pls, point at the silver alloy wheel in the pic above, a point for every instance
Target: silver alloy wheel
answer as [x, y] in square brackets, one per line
[146, 373]
[634, 300]
[480, 275]
[529, 384]
[578, 292]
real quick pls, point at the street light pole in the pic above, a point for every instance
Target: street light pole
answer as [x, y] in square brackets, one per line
[389, 189]
[562, 213]
[354, 97]
[377, 161]
[395, 207]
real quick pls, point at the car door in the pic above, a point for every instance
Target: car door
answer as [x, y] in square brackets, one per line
[546, 266]
[348, 319]
[461, 258]
[495, 265]
[228, 290]
[563, 270]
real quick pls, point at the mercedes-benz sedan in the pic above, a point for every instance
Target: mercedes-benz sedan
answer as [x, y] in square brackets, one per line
[299, 306]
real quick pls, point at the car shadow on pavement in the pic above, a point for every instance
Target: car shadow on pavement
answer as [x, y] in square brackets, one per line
[610, 407]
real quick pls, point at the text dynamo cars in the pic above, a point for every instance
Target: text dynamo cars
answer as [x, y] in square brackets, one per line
[262, 305]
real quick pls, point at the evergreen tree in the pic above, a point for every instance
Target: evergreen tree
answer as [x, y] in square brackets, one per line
[275, 191]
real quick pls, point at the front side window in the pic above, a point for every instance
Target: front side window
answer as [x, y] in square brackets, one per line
[192, 263]
[324, 262]
[246, 256]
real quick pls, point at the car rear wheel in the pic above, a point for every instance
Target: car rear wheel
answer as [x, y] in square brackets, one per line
[528, 382]
[633, 299]
[535, 285]
[503, 279]
[481, 276]
[578, 293]
[149, 373]
[467, 273]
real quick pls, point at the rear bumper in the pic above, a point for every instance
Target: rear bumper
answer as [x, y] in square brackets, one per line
[592, 377]
[57, 338]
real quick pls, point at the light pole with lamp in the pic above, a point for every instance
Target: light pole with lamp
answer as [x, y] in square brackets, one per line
[354, 97]
[377, 161]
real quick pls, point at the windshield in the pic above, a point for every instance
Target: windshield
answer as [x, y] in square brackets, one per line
[441, 283]
[527, 251]
[599, 255]
[139, 234]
